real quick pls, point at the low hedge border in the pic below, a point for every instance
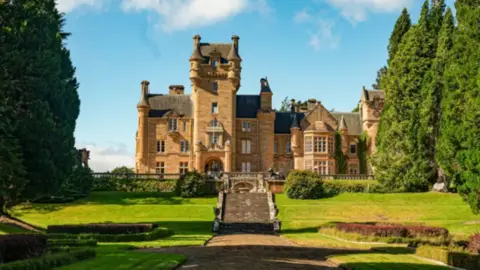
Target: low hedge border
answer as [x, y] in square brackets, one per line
[134, 185]
[454, 257]
[333, 187]
[138, 237]
[395, 230]
[114, 228]
[15, 247]
[49, 261]
[71, 243]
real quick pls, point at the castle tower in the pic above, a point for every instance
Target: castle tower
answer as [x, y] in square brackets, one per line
[266, 122]
[344, 131]
[296, 139]
[371, 106]
[143, 108]
[215, 77]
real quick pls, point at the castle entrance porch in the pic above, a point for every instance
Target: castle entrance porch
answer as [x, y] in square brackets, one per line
[213, 166]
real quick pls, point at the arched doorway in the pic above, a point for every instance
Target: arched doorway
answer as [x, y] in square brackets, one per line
[214, 166]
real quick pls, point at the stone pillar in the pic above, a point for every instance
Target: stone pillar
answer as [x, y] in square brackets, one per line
[227, 167]
[198, 157]
[296, 147]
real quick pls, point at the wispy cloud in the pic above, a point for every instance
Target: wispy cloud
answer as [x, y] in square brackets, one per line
[357, 10]
[107, 157]
[70, 5]
[184, 14]
[320, 30]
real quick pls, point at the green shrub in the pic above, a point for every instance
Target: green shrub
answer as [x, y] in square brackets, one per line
[49, 261]
[304, 185]
[126, 184]
[333, 187]
[72, 242]
[192, 184]
[79, 183]
[137, 237]
[456, 257]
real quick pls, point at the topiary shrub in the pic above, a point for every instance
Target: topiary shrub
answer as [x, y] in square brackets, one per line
[304, 185]
[192, 184]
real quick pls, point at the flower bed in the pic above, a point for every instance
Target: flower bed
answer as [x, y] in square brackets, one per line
[15, 247]
[102, 228]
[137, 237]
[392, 230]
[474, 243]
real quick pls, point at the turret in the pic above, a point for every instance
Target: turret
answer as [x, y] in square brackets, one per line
[343, 128]
[265, 95]
[295, 130]
[143, 108]
[195, 60]
[234, 61]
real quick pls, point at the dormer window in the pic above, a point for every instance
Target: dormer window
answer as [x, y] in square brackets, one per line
[172, 124]
[215, 86]
[214, 63]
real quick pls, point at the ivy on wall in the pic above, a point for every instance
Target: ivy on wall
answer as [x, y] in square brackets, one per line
[340, 157]
[362, 152]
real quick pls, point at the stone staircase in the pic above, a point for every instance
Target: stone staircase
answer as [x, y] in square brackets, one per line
[247, 213]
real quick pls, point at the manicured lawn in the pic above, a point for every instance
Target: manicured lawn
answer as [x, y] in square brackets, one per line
[190, 219]
[435, 209]
[7, 228]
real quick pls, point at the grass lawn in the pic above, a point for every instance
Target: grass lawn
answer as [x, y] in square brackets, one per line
[7, 228]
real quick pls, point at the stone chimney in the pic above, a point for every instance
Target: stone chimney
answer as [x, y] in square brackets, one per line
[235, 41]
[176, 90]
[311, 103]
[196, 41]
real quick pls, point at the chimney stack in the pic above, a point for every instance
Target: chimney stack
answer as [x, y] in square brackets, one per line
[176, 90]
[235, 41]
[196, 41]
[145, 90]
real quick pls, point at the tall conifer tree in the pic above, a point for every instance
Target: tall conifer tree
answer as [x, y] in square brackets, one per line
[399, 165]
[459, 142]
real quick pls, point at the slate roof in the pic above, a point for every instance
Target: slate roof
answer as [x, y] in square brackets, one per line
[248, 106]
[352, 121]
[369, 95]
[223, 48]
[162, 105]
[285, 120]
[265, 86]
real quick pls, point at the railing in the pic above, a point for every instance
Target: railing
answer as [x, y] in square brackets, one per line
[349, 176]
[139, 176]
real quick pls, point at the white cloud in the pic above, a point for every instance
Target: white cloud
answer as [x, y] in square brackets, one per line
[320, 30]
[357, 10]
[183, 14]
[69, 5]
[105, 158]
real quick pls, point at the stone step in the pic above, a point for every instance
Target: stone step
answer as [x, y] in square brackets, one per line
[246, 207]
[246, 227]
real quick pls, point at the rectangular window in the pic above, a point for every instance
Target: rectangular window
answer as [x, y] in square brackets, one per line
[214, 107]
[320, 144]
[308, 145]
[160, 146]
[353, 148]
[172, 124]
[352, 168]
[321, 167]
[183, 167]
[331, 148]
[185, 125]
[288, 147]
[246, 146]
[214, 86]
[213, 139]
[184, 146]
[246, 167]
[275, 148]
[160, 169]
[214, 63]
[246, 126]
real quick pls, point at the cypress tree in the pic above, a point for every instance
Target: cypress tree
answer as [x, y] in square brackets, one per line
[402, 26]
[399, 163]
[459, 142]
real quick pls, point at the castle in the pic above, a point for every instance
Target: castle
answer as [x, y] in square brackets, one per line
[216, 129]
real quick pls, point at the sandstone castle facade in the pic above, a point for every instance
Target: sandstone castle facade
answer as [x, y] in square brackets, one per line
[216, 129]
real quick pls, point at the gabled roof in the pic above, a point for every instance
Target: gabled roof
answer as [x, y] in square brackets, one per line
[352, 121]
[248, 106]
[222, 48]
[163, 105]
[285, 120]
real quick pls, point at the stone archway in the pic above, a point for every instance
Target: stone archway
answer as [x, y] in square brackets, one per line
[213, 165]
[243, 187]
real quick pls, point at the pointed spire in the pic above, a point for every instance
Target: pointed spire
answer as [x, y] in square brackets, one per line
[233, 54]
[343, 125]
[294, 121]
[196, 55]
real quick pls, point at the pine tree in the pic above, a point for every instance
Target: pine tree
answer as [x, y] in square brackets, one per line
[459, 142]
[430, 110]
[399, 162]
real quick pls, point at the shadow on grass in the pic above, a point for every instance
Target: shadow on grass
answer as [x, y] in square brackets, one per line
[281, 257]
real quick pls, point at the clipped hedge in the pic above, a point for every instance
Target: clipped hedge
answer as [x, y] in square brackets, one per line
[138, 237]
[71, 243]
[102, 228]
[49, 261]
[392, 230]
[474, 243]
[134, 185]
[304, 185]
[334, 187]
[15, 247]
[455, 258]
[192, 184]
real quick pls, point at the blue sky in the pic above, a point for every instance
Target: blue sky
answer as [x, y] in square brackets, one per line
[323, 49]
